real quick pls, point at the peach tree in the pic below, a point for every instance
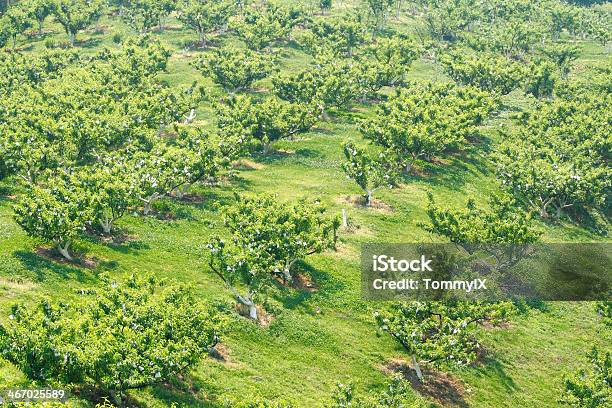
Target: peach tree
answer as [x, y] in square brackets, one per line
[57, 213]
[267, 238]
[204, 16]
[235, 69]
[112, 339]
[76, 15]
[426, 120]
[267, 120]
[557, 156]
[370, 173]
[442, 334]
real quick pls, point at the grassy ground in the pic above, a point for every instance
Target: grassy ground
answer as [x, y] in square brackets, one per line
[322, 337]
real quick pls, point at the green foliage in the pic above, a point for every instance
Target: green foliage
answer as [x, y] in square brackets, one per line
[561, 55]
[604, 309]
[204, 16]
[235, 69]
[15, 22]
[325, 5]
[105, 103]
[76, 15]
[396, 395]
[425, 120]
[109, 191]
[267, 239]
[489, 72]
[261, 28]
[503, 223]
[124, 336]
[393, 57]
[504, 230]
[590, 388]
[332, 83]
[340, 35]
[168, 167]
[40, 10]
[442, 334]
[556, 156]
[264, 121]
[143, 15]
[57, 213]
[368, 172]
[378, 11]
[542, 79]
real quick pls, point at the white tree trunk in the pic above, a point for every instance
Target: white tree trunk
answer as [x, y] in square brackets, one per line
[248, 302]
[368, 197]
[190, 117]
[344, 219]
[107, 225]
[417, 368]
[148, 203]
[63, 250]
[72, 39]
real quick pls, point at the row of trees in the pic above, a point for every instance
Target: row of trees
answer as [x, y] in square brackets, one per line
[84, 136]
[513, 28]
[557, 157]
[73, 15]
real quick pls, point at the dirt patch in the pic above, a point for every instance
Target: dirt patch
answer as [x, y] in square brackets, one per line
[78, 260]
[220, 352]
[491, 325]
[263, 317]
[9, 197]
[345, 251]
[246, 164]
[188, 198]
[117, 238]
[440, 387]
[304, 282]
[14, 286]
[359, 201]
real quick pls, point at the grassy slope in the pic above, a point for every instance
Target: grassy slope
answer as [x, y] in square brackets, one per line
[320, 338]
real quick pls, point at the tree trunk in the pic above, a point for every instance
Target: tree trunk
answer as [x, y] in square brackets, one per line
[368, 198]
[287, 275]
[189, 118]
[417, 368]
[147, 207]
[248, 302]
[63, 250]
[107, 225]
[148, 203]
[72, 39]
[40, 27]
[344, 219]
[266, 148]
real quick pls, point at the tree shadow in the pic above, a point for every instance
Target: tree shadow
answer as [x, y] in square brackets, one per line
[438, 386]
[280, 155]
[327, 286]
[39, 264]
[454, 175]
[487, 365]
[183, 392]
[89, 43]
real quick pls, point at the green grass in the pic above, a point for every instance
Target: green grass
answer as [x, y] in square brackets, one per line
[316, 338]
